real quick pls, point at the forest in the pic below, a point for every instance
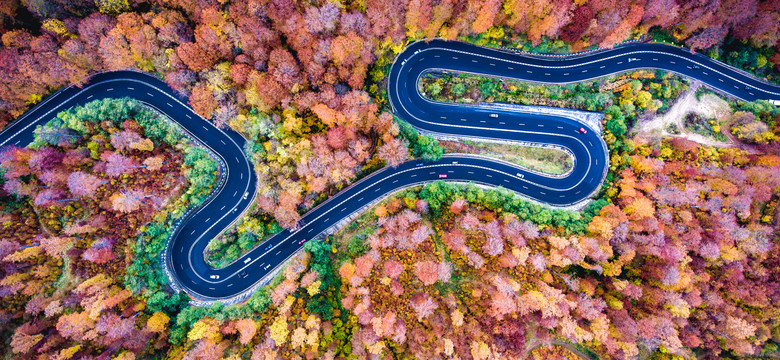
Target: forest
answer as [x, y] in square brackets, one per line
[674, 258]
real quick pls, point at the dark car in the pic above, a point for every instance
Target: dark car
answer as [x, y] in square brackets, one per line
[268, 247]
[747, 87]
[696, 66]
[243, 274]
[419, 164]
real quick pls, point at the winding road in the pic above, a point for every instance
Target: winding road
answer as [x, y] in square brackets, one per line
[184, 256]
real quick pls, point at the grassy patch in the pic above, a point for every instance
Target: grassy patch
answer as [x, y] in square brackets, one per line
[546, 160]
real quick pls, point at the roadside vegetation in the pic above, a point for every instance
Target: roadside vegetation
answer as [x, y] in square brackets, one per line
[545, 160]
[72, 204]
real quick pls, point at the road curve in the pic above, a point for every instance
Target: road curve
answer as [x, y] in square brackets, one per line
[185, 253]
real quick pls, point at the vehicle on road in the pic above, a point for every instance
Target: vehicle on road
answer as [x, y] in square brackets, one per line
[442, 176]
[214, 277]
[696, 66]
[268, 247]
[582, 130]
[246, 194]
[747, 87]
[419, 164]
[494, 116]
[242, 274]
[267, 266]
[520, 175]
[302, 241]
[247, 260]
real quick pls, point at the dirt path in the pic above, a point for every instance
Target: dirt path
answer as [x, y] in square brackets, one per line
[708, 106]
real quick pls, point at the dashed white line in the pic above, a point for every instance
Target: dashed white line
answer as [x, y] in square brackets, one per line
[150, 94]
[129, 88]
[110, 89]
[222, 208]
[89, 97]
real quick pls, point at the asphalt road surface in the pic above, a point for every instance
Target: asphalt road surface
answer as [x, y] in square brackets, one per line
[185, 254]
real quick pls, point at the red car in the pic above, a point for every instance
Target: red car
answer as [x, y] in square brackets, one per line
[582, 130]
[302, 241]
[442, 176]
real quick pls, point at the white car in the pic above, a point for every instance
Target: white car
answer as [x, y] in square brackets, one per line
[494, 116]
[214, 277]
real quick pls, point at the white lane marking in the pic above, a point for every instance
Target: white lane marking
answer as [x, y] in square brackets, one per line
[150, 94]
[361, 198]
[414, 175]
[454, 58]
[234, 194]
[488, 175]
[242, 176]
[719, 79]
[207, 220]
[482, 121]
[222, 141]
[602, 66]
[565, 74]
[620, 62]
[559, 127]
[521, 124]
[585, 70]
[110, 89]
[205, 128]
[169, 104]
[525, 187]
[472, 60]
[193, 231]
[540, 125]
[89, 97]
[229, 285]
[672, 62]
[547, 74]
[223, 207]
[130, 88]
[395, 181]
[492, 64]
[529, 71]
[188, 116]
[510, 68]
[471, 172]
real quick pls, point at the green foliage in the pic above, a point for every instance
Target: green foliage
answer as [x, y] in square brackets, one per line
[421, 146]
[200, 170]
[616, 121]
[439, 195]
[459, 89]
[357, 246]
[328, 298]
